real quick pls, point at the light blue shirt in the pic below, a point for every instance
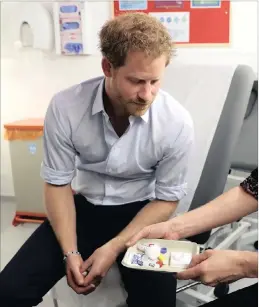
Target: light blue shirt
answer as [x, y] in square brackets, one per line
[149, 161]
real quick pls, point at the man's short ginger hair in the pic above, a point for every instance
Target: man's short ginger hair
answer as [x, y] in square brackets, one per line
[134, 32]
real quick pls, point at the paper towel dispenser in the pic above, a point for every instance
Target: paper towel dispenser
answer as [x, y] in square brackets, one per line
[34, 26]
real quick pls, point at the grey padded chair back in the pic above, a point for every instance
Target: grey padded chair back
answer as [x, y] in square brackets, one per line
[245, 157]
[218, 162]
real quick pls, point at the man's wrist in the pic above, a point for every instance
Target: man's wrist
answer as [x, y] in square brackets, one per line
[249, 264]
[178, 227]
[69, 248]
[71, 253]
[119, 244]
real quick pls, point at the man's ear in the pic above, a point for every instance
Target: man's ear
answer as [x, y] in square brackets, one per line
[107, 67]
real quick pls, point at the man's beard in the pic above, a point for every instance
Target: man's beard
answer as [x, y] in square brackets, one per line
[140, 102]
[127, 104]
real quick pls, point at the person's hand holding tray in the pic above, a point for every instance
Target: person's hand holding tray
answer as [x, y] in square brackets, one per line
[160, 255]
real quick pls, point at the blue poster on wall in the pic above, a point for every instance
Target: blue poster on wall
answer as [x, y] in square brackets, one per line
[205, 3]
[131, 5]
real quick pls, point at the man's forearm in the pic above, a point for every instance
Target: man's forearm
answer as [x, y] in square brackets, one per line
[226, 208]
[154, 212]
[60, 208]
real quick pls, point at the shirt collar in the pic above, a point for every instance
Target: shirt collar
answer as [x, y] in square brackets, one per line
[145, 117]
[98, 103]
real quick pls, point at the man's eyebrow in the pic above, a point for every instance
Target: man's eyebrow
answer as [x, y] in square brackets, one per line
[143, 80]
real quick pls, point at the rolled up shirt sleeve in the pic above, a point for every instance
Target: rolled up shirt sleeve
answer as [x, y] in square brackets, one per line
[171, 183]
[58, 166]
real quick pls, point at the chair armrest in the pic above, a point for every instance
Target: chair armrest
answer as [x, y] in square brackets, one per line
[185, 287]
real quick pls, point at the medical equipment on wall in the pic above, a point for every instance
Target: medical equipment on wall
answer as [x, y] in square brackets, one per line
[67, 27]
[33, 23]
[70, 33]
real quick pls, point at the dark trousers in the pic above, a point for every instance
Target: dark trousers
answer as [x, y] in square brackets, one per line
[38, 265]
[241, 298]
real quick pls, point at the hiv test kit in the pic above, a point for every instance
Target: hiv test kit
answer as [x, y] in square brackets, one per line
[160, 255]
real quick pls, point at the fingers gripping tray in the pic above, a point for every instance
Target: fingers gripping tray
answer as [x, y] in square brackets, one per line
[160, 255]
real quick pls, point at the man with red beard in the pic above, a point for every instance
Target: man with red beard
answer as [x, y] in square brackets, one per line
[128, 144]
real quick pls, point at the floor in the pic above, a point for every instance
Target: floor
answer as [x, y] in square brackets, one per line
[13, 237]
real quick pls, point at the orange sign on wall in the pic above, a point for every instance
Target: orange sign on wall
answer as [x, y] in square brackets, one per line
[189, 22]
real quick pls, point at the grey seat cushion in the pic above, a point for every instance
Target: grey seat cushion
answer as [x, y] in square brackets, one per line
[245, 156]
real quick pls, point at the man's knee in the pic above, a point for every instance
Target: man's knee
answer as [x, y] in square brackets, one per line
[16, 294]
[147, 288]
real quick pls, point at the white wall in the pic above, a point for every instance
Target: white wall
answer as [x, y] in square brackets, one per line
[29, 78]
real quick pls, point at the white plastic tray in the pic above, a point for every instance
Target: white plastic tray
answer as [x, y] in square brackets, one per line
[172, 246]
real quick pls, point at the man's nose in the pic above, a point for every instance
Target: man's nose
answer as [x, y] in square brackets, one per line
[146, 92]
